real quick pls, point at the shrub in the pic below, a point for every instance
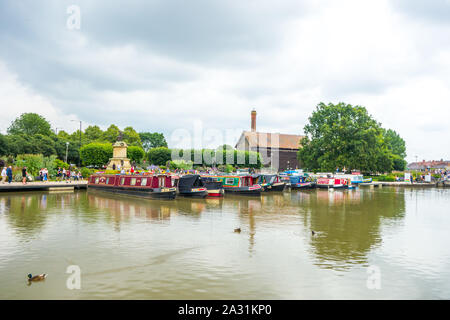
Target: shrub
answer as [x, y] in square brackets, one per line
[135, 153]
[96, 154]
[61, 164]
[180, 164]
[33, 162]
[159, 156]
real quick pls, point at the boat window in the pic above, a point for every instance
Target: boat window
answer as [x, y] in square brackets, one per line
[96, 180]
[162, 182]
[133, 181]
[144, 182]
[122, 181]
[229, 181]
[107, 181]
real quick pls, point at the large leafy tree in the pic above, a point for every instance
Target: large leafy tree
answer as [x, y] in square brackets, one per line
[30, 124]
[93, 133]
[152, 140]
[111, 133]
[344, 136]
[131, 137]
[397, 147]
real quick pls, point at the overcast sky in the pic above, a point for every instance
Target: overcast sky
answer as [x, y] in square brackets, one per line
[167, 66]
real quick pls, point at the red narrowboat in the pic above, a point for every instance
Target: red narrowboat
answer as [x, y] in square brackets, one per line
[336, 183]
[152, 186]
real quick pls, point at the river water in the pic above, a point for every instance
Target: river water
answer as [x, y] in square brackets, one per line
[387, 243]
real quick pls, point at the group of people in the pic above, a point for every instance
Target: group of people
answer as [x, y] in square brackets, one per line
[43, 175]
[62, 175]
[7, 174]
[68, 175]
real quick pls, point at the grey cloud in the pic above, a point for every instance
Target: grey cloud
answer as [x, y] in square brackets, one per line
[431, 10]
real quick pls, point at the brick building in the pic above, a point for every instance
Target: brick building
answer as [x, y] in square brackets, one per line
[426, 165]
[277, 150]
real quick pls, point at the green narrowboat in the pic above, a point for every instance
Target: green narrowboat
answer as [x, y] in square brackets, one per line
[240, 185]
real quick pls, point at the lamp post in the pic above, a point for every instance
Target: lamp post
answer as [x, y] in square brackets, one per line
[67, 149]
[79, 154]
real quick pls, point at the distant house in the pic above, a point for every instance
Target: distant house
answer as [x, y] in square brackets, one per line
[425, 165]
[277, 150]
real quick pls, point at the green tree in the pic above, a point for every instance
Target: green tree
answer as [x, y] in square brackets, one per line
[135, 153]
[93, 133]
[131, 137]
[96, 154]
[152, 140]
[30, 124]
[4, 147]
[397, 147]
[159, 156]
[111, 133]
[343, 135]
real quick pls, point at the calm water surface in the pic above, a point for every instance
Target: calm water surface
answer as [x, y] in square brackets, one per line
[131, 248]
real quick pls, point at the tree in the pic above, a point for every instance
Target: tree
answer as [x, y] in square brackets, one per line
[4, 148]
[343, 135]
[111, 133]
[30, 124]
[152, 140]
[131, 137]
[96, 154]
[397, 147]
[159, 156]
[93, 133]
[135, 153]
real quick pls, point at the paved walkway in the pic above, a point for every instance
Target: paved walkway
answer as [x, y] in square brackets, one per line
[39, 185]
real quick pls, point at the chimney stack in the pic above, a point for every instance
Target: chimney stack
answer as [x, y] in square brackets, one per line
[253, 120]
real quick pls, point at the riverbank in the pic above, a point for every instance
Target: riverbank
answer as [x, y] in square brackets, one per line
[416, 184]
[42, 186]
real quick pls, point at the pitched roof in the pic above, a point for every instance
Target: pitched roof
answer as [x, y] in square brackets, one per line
[272, 140]
[429, 164]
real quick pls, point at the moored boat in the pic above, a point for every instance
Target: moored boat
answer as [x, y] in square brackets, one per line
[191, 185]
[335, 183]
[269, 182]
[239, 184]
[150, 186]
[214, 187]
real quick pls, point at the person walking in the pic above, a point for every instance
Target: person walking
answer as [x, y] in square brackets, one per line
[24, 175]
[45, 174]
[9, 174]
[4, 175]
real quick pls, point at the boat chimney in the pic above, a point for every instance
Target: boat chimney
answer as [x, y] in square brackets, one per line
[253, 116]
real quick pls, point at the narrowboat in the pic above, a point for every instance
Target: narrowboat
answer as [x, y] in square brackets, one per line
[214, 187]
[353, 178]
[269, 182]
[191, 185]
[241, 184]
[297, 179]
[336, 183]
[300, 182]
[152, 186]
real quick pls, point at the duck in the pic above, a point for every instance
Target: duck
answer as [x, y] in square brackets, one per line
[313, 232]
[39, 277]
[238, 230]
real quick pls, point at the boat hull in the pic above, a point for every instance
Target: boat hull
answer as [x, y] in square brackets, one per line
[194, 194]
[303, 185]
[243, 191]
[331, 186]
[215, 192]
[275, 187]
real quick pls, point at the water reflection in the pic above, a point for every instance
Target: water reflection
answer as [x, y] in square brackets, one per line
[348, 223]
